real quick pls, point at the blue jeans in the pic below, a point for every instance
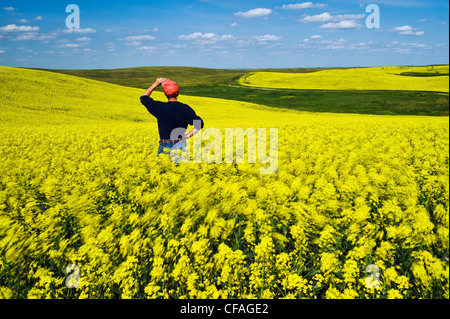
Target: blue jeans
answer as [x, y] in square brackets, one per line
[172, 150]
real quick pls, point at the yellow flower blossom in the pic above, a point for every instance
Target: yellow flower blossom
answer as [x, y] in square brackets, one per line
[81, 184]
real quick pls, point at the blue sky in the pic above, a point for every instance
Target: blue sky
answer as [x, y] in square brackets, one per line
[223, 34]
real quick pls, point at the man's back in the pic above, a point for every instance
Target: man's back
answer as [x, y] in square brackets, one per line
[171, 115]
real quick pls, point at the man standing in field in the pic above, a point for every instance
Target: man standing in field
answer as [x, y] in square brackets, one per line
[171, 116]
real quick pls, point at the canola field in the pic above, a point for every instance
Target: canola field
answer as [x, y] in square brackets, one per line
[359, 207]
[382, 78]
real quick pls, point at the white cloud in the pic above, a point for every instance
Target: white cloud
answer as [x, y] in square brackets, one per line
[266, 38]
[348, 17]
[414, 44]
[199, 35]
[408, 30]
[52, 52]
[233, 25]
[33, 36]
[9, 8]
[23, 21]
[68, 45]
[147, 49]
[316, 36]
[206, 38]
[139, 38]
[82, 31]
[402, 50]
[227, 37]
[335, 47]
[303, 5]
[83, 39]
[16, 28]
[339, 45]
[2, 51]
[345, 24]
[213, 38]
[134, 43]
[324, 17]
[38, 18]
[255, 13]
[111, 46]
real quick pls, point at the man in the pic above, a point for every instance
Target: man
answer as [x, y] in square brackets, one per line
[171, 116]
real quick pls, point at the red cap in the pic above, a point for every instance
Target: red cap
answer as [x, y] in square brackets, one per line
[171, 88]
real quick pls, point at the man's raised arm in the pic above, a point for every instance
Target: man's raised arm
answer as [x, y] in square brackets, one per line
[147, 101]
[154, 86]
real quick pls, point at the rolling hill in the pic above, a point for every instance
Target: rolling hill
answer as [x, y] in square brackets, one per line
[224, 84]
[429, 79]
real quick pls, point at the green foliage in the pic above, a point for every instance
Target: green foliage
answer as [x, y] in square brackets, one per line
[224, 84]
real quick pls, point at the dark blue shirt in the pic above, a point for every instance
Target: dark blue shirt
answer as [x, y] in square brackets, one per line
[171, 115]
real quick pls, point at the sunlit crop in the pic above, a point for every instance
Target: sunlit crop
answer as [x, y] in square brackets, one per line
[80, 184]
[387, 78]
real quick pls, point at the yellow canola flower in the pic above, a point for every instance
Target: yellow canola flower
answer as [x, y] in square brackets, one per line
[329, 263]
[394, 294]
[382, 78]
[80, 184]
